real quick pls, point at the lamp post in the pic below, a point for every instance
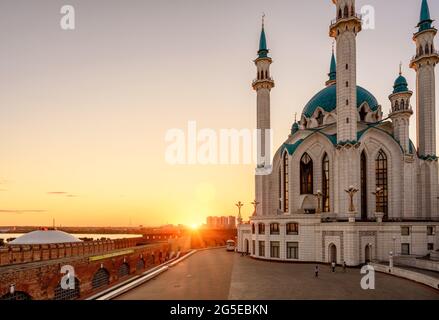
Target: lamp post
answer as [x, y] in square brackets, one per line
[319, 196]
[255, 204]
[379, 214]
[239, 205]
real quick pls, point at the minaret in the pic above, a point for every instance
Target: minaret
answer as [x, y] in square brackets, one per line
[401, 111]
[424, 63]
[263, 85]
[344, 29]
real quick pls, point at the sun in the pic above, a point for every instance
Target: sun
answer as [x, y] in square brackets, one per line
[194, 226]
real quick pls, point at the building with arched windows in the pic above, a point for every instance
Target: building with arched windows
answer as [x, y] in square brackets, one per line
[343, 142]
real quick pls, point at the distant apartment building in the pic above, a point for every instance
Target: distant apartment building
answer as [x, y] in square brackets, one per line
[221, 222]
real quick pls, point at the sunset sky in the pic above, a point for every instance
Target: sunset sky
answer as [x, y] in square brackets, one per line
[84, 113]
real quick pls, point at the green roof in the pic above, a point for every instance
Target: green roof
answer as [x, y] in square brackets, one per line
[424, 19]
[263, 51]
[333, 69]
[400, 85]
[327, 100]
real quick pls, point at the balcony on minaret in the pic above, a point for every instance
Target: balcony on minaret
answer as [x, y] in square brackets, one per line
[353, 17]
[267, 82]
[427, 53]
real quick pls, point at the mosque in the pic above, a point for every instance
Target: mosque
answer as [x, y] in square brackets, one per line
[348, 185]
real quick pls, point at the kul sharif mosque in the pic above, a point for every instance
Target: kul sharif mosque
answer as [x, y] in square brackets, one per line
[348, 185]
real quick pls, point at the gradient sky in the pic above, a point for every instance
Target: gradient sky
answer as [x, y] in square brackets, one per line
[83, 113]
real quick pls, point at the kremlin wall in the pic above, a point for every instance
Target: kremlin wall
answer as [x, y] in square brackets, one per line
[33, 271]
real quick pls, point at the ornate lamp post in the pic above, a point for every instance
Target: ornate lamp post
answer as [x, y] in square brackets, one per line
[352, 191]
[379, 210]
[319, 196]
[255, 204]
[239, 205]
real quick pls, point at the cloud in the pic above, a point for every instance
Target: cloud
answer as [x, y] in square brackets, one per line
[22, 211]
[62, 193]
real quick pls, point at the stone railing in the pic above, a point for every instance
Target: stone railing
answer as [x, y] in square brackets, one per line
[16, 254]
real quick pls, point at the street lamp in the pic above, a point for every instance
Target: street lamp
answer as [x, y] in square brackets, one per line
[319, 196]
[239, 205]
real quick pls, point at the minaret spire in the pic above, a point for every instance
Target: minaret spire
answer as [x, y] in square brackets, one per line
[263, 50]
[424, 19]
[332, 69]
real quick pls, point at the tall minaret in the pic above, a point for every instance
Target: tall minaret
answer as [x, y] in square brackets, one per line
[401, 111]
[424, 63]
[344, 29]
[263, 85]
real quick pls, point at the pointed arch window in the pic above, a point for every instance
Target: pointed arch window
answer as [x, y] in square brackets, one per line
[286, 194]
[280, 188]
[325, 183]
[363, 186]
[346, 12]
[306, 175]
[320, 118]
[381, 168]
[363, 114]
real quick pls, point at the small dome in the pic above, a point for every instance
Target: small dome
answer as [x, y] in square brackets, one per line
[400, 85]
[327, 100]
[45, 237]
[295, 128]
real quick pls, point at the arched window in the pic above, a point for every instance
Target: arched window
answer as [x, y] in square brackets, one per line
[402, 104]
[381, 182]
[253, 228]
[292, 229]
[266, 74]
[140, 265]
[427, 49]
[261, 228]
[397, 105]
[421, 51]
[274, 228]
[363, 176]
[67, 294]
[320, 118]
[17, 295]
[325, 183]
[346, 12]
[340, 15]
[280, 188]
[363, 114]
[101, 278]
[286, 183]
[353, 11]
[306, 175]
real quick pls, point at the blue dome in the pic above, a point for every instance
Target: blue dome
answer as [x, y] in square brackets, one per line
[327, 100]
[400, 85]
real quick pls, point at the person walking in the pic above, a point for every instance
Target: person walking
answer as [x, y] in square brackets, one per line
[344, 266]
[333, 266]
[316, 270]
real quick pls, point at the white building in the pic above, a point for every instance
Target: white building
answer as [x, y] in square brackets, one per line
[343, 141]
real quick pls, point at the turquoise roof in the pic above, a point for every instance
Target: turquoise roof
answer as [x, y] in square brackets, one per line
[400, 85]
[263, 51]
[291, 148]
[327, 99]
[333, 69]
[295, 128]
[424, 20]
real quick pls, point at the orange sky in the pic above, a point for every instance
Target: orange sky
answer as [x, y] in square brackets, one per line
[83, 113]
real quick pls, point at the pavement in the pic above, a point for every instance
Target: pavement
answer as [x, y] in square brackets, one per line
[220, 275]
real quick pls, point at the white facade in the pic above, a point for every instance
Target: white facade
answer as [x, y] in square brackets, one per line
[341, 142]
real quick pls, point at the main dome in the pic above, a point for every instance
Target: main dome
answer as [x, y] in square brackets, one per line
[327, 100]
[44, 237]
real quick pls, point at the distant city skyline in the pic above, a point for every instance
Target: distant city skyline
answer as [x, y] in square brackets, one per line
[84, 113]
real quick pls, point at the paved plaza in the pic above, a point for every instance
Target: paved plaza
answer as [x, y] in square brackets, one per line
[217, 274]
